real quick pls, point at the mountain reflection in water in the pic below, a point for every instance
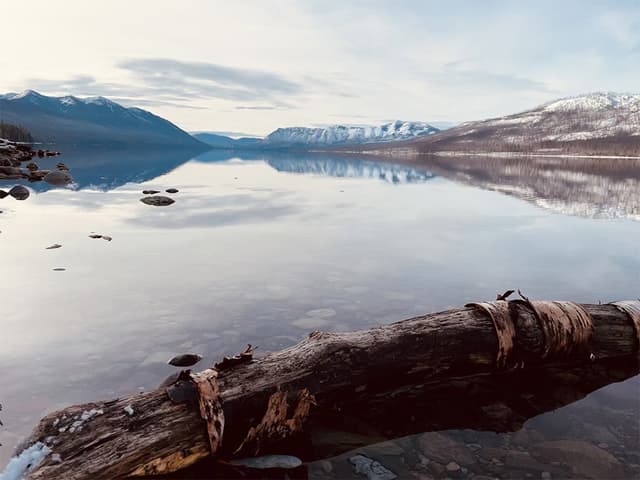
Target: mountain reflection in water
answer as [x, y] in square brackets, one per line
[586, 187]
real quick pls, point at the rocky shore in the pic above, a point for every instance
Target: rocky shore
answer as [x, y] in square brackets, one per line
[17, 162]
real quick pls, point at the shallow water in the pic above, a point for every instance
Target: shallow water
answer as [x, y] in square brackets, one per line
[262, 249]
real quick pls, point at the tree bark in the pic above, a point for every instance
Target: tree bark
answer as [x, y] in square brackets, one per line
[148, 433]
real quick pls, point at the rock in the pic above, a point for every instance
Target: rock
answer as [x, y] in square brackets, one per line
[268, 461]
[444, 449]
[474, 447]
[150, 192]
[523, 461]
[546, 475]
[158, 201]
[32, 166]
[59, 269]
[19, 192]
[371, 469]
[172, 190]
[585, 459]
[326, 466]
[58, 178]
[436, 468]
[454, 470]
[526, 437]
[3, 194]
[385, 448]
[54, 246]
[62, 166]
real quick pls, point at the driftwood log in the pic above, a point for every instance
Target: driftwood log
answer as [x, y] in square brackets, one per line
[267, 405]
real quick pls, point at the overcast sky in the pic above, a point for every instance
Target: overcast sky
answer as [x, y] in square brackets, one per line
[252, 66]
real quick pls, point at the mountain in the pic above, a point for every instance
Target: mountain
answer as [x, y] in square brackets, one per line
[347, 134]
[221, 141]
[89, 121]
[597, 123]
[304, 138]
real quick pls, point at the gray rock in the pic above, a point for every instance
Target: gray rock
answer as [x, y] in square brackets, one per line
[19, 192]
[3, 194]
[157, 201]
[150, 192]
[58, 177]
[371, 469]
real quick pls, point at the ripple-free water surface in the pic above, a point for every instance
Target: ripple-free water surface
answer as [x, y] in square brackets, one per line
[263, 250]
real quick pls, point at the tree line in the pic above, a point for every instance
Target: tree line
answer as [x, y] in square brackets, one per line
[14, 133]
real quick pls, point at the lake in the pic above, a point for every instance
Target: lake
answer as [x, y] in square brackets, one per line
[264, 248]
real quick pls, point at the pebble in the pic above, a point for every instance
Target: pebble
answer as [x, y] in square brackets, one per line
[157, 201]
[19, 192]
[172, 190]
[55, 245]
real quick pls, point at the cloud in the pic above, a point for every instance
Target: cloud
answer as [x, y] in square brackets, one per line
[178, 84]
[460, 76]
[209, 80]
[256, 107]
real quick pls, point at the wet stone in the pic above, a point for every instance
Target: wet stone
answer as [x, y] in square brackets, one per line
[157, 201]
[19, 192]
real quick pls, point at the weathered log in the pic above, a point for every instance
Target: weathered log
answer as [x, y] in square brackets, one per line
[148, 433]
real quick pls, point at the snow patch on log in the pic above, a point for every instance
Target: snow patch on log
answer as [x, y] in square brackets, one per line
[26, 462]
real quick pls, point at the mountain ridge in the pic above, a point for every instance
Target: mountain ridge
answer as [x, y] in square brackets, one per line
[89, 121]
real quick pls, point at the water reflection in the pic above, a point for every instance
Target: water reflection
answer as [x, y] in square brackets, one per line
[250, 253]
[587, 187]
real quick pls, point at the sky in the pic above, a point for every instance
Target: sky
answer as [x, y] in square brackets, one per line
[252, 66]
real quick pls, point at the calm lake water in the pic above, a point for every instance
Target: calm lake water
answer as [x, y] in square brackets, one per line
[263, 249]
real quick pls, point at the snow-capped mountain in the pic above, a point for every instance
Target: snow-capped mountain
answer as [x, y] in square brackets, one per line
[348, 134]
[597, 123]
[93, 120]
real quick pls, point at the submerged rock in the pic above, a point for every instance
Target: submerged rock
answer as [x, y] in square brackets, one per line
[585, 459]
[19, 192]
[268, 461]
[158, 201]
[58, 178]
[371, 469]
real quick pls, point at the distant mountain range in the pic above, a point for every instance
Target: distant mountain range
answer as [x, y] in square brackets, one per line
[594, 124]
[90, 121]
[305, 138]
[598, 123]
